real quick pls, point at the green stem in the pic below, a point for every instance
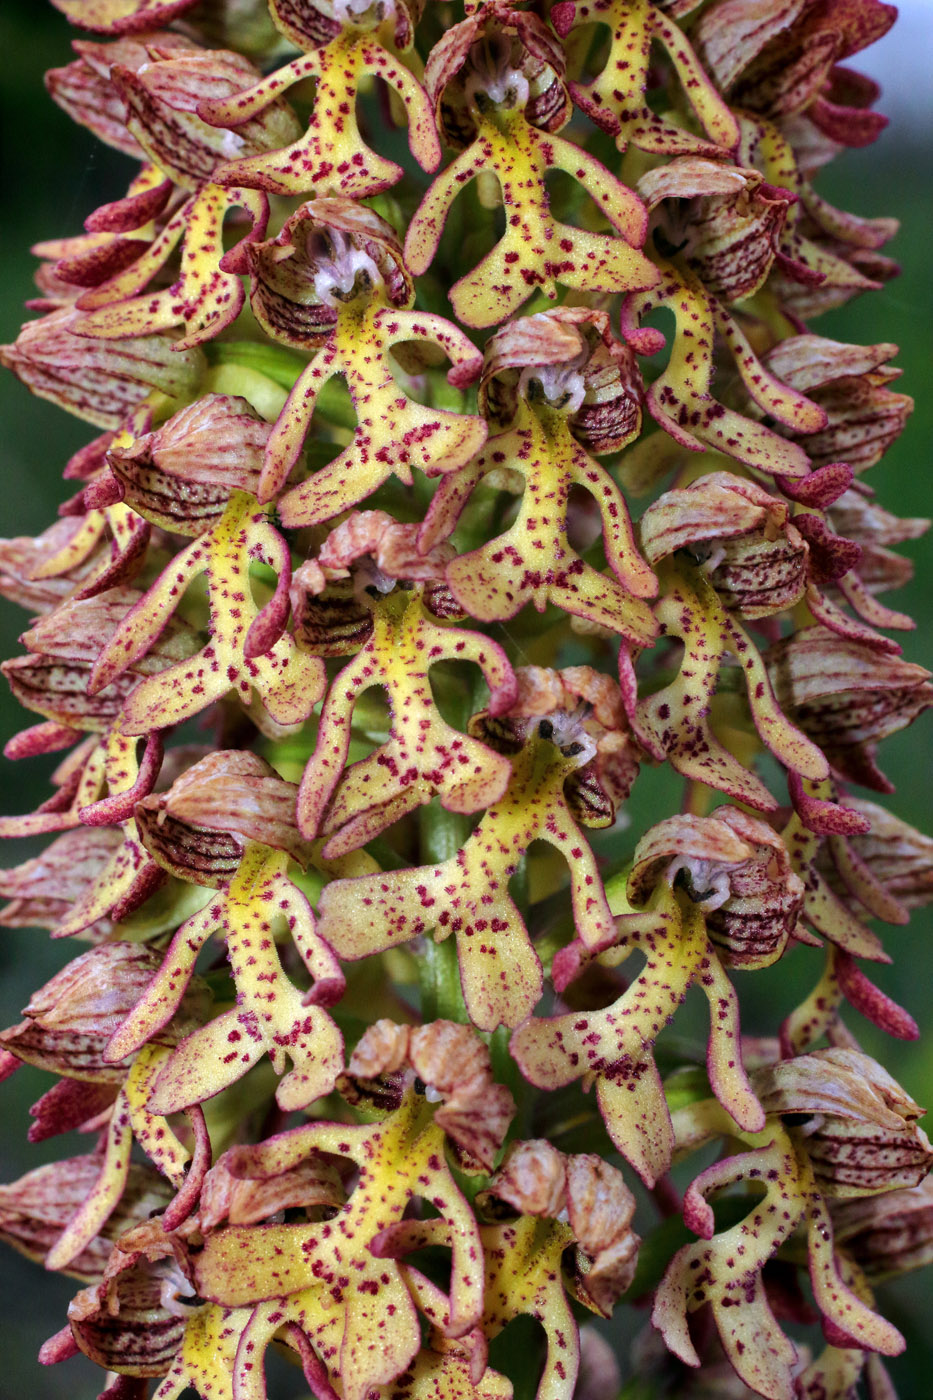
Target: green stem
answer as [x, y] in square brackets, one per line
[442, 836]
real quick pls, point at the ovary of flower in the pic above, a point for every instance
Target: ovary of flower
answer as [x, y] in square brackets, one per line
[673, 722]
[207, 295]
[129, 1118]
[393, 432]
[615, 99]
[423, 754]
[270, 1017]
[332, 157]
[333, 1279]
[288, 682]
[726, 1271]
[468, 895]
[680, 399]
[534, 561]
[536, 251]
[613, 1047]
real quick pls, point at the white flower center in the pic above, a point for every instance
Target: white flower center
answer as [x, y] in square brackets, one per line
[492, 72]
[565, 730]
[359, 14]
[562, 385]
[341, 268]
[709, 880]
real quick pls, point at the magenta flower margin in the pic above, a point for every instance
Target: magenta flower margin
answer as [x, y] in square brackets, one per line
[465, 453]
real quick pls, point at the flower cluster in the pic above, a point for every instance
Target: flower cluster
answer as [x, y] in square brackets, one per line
[371, 345]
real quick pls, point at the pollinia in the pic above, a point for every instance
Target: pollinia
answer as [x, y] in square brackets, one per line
[353, 651]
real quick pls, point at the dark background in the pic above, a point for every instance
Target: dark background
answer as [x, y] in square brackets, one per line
[53, 175]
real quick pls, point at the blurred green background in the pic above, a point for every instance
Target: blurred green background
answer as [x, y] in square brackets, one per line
[53, 175]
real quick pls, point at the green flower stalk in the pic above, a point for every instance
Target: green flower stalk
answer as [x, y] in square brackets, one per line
[372, 342]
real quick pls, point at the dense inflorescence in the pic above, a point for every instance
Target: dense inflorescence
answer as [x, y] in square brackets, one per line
[349, 642]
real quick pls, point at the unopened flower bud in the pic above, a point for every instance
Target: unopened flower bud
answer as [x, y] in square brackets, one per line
[846, 695]
[856, 1124]
[54, 678]
[101, 381]
[23, 560]
[199, 829]
[92, 994]
[164, 94]
[182, 475]
[775, 61]
[849, 382]
[70, 1020]
[42, 891]
[85, 90]
[36, 1209]
[888, 1235]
